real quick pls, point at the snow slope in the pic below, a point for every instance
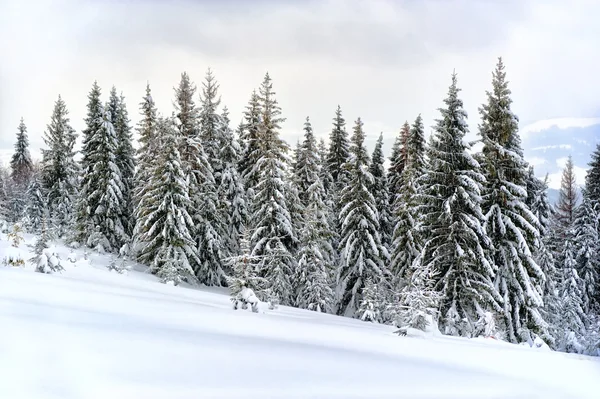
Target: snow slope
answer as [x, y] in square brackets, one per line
[88, 333]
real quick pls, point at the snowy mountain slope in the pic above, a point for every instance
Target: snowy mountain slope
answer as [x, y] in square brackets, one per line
[88, 333]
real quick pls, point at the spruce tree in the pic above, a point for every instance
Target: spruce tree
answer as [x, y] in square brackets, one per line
[86, 202]
[35, 208]
[398, 163]
[203, 206]
[406, 244]
[339, 150]
[380, 192]
[572, 314]
[232, 195]
[273, 236]
[568, 197]
[362, 253]
[148, 152]
[210, 124]
[21, 164]
[587, 246]
[250, 138]
[509, 222]
[592, 178]
[316, 252]
[456, 246]
[105, 188]
[166, 241]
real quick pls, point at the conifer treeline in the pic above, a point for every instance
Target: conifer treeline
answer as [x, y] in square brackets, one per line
[467, 239]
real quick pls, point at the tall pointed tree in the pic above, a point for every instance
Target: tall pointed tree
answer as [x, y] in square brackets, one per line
[406, 244]
[398, 163]
[273, 236]
[380, 192]
[232, 195]
[362, 253]
[166, 241]
[250, 138]
[21, 164]
[587, 256]
[568, 196]
[509, 222]
[86, 202]
[339, 150]
[59, 169]
[35, 206]
[592, 178]
[456, 246]
[202, 189]
[148, 152]
[210, 123]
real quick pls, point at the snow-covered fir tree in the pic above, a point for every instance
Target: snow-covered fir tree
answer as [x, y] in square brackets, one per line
[418, 299]
[406, 244]
[232, 195]
[339, 150]
[380, 192]
[592, 177]
[509, 222]
[166, 243]
[568, 197]
[250, 138]
[35, 207]
[456, 247]
[362, 253]
[60, 170]
[273, 237]
[371, 304]
[211, 127]
[124, 156]
[587, 246]
[86, 202]
[21, 165]
[106, 188]
[316, 252]
[147, 153]
[572, 314]
[397, 164]
[203, 206]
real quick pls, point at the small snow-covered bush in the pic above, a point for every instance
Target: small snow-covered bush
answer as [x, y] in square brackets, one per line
[14, 261]
[243, 298]
[47, 262]
[16, 235]
[117, 266]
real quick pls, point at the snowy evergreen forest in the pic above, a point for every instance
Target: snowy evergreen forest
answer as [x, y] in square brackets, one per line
[441, 234]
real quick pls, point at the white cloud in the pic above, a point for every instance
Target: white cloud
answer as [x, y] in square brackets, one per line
[553, 147]
[535, 161]
[562, 162]
[560, 123]
[554, 178]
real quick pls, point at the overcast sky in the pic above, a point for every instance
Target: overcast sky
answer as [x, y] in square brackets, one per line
[385, 61]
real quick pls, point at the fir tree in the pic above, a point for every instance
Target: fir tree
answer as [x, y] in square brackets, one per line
[35, 208]
[210, 124]
[250, 138]
[124, 158]
[587, 245]
[572, 315]
[568, 197]
[592, 178]
[339, 150]
[316, 251]
[362, 252]
[106, 187]
[86, 202]
[148, 152]
[397, 164]
[203, 206]
[371, 303]
[166, 241]
[231, 190]
[456, 245]
[380, 192]
[59, 169]
[21, 164]
[273, 237]
[244, 270]
[406, 244]
[509, 223]
[418, 299]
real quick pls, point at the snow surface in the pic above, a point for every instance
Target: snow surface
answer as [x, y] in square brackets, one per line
[89, 333]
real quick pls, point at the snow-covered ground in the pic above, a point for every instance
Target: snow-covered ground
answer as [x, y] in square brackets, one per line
[89, 333]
